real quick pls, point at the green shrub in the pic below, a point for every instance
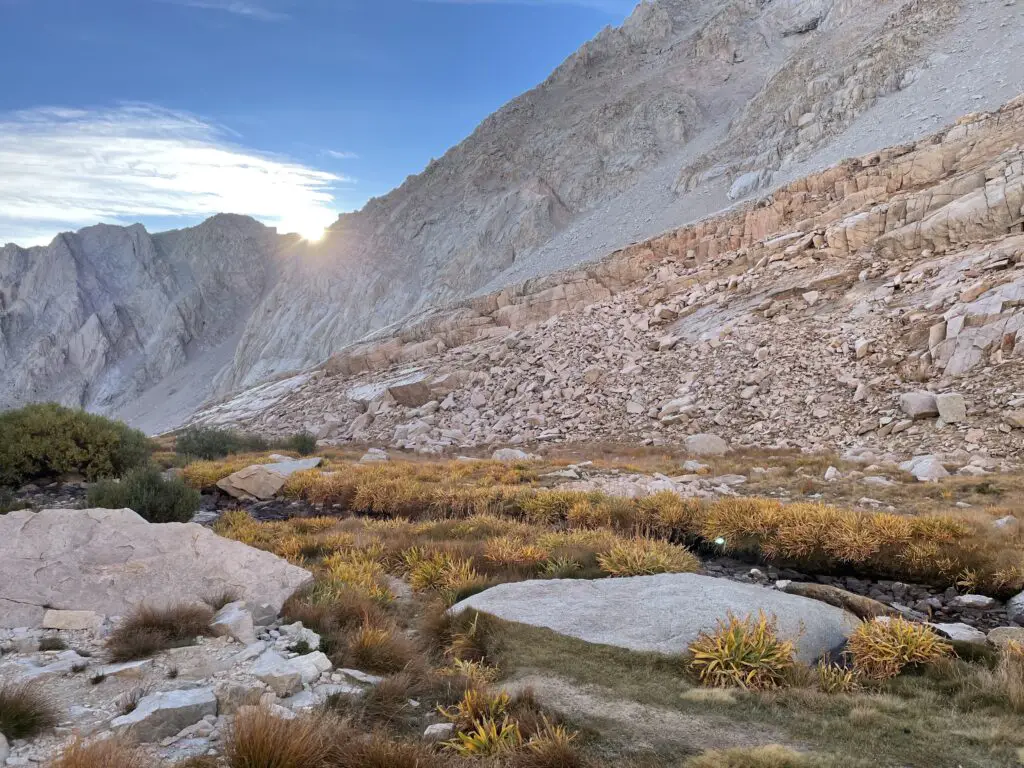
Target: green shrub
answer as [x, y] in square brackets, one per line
[303, 443]
[9, 503]
[148, 493]
[48, 440]
[211, 443]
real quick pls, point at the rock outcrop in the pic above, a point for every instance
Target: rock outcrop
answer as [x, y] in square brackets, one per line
[110, 561]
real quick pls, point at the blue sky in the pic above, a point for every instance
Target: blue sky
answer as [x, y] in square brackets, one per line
[166, 111]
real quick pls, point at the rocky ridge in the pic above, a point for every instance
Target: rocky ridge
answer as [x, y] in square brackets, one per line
[876, 306]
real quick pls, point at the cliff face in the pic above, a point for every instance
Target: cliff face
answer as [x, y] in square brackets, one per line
[688, 105]
[98, 316]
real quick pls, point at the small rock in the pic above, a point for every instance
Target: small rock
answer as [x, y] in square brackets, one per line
[439, 732]
[706, 445]
[832, 474]
[296, 633]
[976, 602]
[234, 620]
[510, 454]
[925, 468]
[962, 633]
[919, 405]
[952, 408]
[5, 749]
[374, 456]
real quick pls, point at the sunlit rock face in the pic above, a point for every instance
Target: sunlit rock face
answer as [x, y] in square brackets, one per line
[97, 316]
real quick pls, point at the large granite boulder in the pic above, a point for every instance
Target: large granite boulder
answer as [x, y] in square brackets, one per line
[263, 481]
[111, 560]
[664, 613]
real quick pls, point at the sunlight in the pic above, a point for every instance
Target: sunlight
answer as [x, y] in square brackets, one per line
[311, 226]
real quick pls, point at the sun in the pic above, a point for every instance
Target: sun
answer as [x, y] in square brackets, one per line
[312, 233]
[311, 226]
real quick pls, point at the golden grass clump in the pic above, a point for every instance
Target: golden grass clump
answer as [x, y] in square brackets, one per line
[883, 648]
[645, 557]
[835, 678]
[105, 753]
[380, 649]
[487, 738]
[771, 756]
[148, 630]
[356, 569]
[205, 474]
[745, 653]
[25, 710]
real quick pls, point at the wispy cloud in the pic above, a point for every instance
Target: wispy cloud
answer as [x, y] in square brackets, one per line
[341, 155]
[66, 168]
[237, 7]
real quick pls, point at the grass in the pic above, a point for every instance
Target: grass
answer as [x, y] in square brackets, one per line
[148, 493]
[948, 549]
[258, 739]
[104, 753]
[52, 643]
[46, 440]
[203, 475]
[771, 756]
[743, 652]
[148, 630]
[25, 710]
[883, 649]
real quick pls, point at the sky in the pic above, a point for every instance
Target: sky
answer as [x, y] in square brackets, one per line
[165, 112]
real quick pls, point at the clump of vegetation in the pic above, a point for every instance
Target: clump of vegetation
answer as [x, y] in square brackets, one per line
[882, 649]
[48, 440]
[745, 653]
[771, 756]
[210, 443]
[149, 630]
[148, 493]
[486, 738]
[303, 443]
[380, 649]
[8, 502]
[52, 643]
[645, 557]
[258, 739]
[835, 678]
[25, 710]
[104, 753]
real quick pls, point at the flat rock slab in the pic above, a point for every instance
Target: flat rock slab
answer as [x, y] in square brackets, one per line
[165, 714]
[111, 560]
[662, 614]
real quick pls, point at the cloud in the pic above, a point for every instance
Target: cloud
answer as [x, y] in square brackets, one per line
[237, 7]
[341, 155]
[610, 6]
[67, 168]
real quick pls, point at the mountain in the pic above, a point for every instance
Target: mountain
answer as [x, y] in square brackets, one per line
[97, 317]
[691, 106]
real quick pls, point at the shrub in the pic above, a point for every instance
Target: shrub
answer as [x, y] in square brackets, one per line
[147, 492]
[743, 652]
[258, 739]
[302, 443]
[881, 649]
[8, 502]
[149, 630]
[644, 557]
[52, 643]
[212, 443]
[105, 753]
[48, 440]
[25, 710]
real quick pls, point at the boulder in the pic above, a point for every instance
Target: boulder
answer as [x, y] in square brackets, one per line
[1015, 608]
[510, 454]
[412, 392]
[961, 633]
[919, 405]
[927, 469]
[234, 620]
[952, 408]
[287, 676]
[1001, 637]
[975, 602]
[374, 456]
[5, 749]
[1015, 419]
[111, 561]
[296, 633]
[706, 445]
[263, 481]
[165, 714]
[81, 621]
[662, 614]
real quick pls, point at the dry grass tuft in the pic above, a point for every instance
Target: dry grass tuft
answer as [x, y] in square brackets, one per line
[52, 643]
[745, 653]
[380, 649]
[881, 649]
[553, 747]
[258, 739]
[834, 678]
[772, 756]
[379, 751]
[646, 557]
[106, 753]
[149, 630]
[25, 710]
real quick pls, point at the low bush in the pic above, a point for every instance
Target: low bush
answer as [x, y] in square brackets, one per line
[882, 649]
[48, 440]
[211, 443]
[25, 710]
[148, 493]
[771, 756]
[52, 643]
[149, 630]
[745, 653]
[104, 753]
[303, 443]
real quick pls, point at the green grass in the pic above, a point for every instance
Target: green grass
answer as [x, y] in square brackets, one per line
[942, 719]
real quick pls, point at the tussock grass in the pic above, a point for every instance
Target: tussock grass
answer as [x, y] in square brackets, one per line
[743, 652]
[772, 756]
[203, 475]
[258, 739]
[25, 710]
[149, 630]
[882, 649]
[104, 753]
